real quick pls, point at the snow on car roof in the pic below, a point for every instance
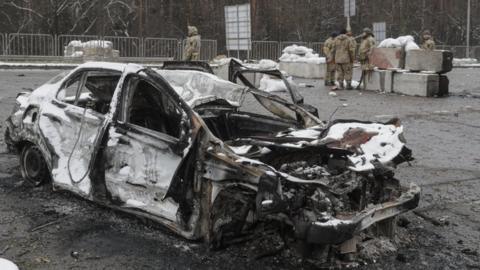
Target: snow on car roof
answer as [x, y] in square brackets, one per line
[196, 87]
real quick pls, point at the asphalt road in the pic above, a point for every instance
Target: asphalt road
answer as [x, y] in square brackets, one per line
[444, 134]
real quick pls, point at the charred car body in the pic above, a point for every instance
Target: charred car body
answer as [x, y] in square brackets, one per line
[174, 146]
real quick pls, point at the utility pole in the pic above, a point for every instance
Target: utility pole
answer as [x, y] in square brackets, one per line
[468, 30]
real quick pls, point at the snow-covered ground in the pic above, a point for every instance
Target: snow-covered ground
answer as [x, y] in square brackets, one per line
[465, 62]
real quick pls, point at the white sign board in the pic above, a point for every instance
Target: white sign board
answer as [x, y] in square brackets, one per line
[237, 28]
[380, 31]
[349, 8]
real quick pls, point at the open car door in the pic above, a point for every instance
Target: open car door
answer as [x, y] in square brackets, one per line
[237, 71]
[146, 146]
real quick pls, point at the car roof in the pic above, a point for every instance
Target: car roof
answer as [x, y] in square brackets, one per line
[105, 65]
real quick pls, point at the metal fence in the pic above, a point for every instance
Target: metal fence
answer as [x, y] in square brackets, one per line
[265, 50]
[31, 44]
[128, 46]
[21, 44]
[284, 44]
[461, 51]
[208, 49]
[161, 47]
[2, 44]
[317, 47]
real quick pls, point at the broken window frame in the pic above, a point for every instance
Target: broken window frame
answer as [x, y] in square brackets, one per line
[83, 74]
[123, 114]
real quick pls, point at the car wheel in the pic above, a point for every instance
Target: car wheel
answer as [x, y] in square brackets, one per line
[33, 166]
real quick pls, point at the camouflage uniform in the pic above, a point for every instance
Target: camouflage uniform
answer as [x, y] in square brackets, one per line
[365, 50]
[366, 47]
[428, 43]
[192, 48]
[328, 50]
[344, 58]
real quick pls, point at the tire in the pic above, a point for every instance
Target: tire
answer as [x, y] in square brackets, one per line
[33, 165]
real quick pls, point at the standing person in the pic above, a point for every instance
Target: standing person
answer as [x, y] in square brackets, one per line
[344, 58]
[192, 48]
[354, 46]
[366, 48]
[428, 42]
[328, 50]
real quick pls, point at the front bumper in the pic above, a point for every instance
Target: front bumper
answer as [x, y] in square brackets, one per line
[337, 231]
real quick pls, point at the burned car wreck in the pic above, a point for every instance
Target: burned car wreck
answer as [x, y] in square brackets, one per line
[175, 146]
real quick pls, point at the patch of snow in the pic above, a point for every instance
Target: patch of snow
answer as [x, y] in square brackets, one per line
[224, 61]
[196, 87]
[411, 46]
[7, 265]
[383, 147]
[301, 54]
[241, 150]
[333, 94]
[269, 84]
[390, 43]
[267, 64]
[332, 222]
[354, 83]
[305, 133]
[408, 42]
[465, 62]
[124, 171]
[134, 203]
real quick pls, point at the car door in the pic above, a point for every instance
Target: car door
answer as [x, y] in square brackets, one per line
[71, 123]
[144, 148]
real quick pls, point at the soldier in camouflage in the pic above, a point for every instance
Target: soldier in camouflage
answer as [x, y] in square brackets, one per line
[428, 42]
[365, 50]
[328, 50]
[344, 57]
[192, 48]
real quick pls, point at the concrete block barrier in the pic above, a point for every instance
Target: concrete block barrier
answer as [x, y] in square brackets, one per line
[435, 61]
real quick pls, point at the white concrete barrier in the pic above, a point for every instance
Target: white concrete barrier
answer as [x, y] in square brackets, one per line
[416, 84]
[304, 70]
[435, 61]
[380, 80]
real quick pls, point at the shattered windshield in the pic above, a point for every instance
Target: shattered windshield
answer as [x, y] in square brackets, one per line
[198, 87]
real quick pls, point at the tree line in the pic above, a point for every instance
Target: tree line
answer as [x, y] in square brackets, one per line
[279, 20]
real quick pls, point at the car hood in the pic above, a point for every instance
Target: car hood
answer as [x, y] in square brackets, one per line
[364, 143]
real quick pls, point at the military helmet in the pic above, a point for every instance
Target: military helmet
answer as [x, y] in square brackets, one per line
[367, 30]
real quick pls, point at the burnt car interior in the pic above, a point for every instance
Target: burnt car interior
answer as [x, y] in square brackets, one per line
[151, 108]
[90, 89]
[227, 121]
